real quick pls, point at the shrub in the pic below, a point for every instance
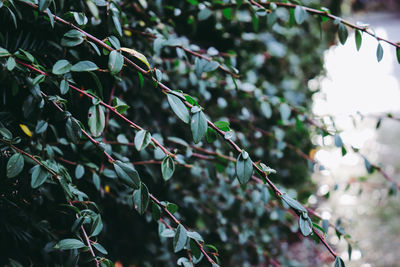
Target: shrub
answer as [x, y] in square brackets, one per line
[172, 108]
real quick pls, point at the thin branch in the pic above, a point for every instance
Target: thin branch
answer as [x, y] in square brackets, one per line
[53, 173]
[165, 88]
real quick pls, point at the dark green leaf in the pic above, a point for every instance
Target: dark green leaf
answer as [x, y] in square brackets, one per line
[41, 127]
[7, 135]
[171, 207]
[244, 167]
[120, 105]
[343, 33]
[398, 54]
[64, 87]
[127, 174]
[142, 139]
[101, 249]
[141, 198]
[11, 63]
[69, 243]
[167, 168]
[379, 52]
[96, 120]
[115, 62]
[155, 211]
[4, 52]
[211, 135]
[39, 176]
[358, 38]
[305, 225]
[178, 107]
[61, 67]
[84, 66]
[44, 4]
[180, 238]
[73, 130]
[198, 125]
[72, 38]
[79, 171]
[293, 204]
[15, 165]
[97, 226]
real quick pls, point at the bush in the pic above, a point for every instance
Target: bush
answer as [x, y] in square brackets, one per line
[172, 108]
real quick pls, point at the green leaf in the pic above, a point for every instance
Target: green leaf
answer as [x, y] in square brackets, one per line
[343, 33]
[180, 238]
[195, 236]
[120, 105]
[93, 9]
[11, 63]
[141, 199]
[178, 107]
[398, 54]
[80, 18]
[38, 79]
[4, 52]
[167, 168]
[339, 262]
[84, 66]
[44, 4]
[358, 38]
[39, 176]
[379, 52]
[72, 38]
[204, 14]
[211, 135]
[73, 130]
[142, 139]
[138, 55]
[41, 127]
[61, 67]
[96, 120]
[102, 250]
[155, 211]
[69, 243]
[198, 125]
[305, 225]
[222, 125]
[115, 62]
[51, 18]
[300, 14]
[293, 204]
[127, 174]
[64, 87]
[7, 135]
[15, 165]
[172, 207]
[97, 226]
[266, 110]
[244, 167]
[79, 171]
[285, 111]
[227, 12]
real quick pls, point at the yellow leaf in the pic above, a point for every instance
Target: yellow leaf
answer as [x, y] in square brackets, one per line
[136, 54]
[107, 189]
[127, 33]
[26, 130]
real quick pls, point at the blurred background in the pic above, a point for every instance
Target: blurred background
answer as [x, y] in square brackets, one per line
[357, 92]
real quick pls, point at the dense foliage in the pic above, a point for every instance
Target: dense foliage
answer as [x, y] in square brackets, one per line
[90, 132]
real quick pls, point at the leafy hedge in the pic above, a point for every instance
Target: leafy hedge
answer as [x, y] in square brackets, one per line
[172, 108]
